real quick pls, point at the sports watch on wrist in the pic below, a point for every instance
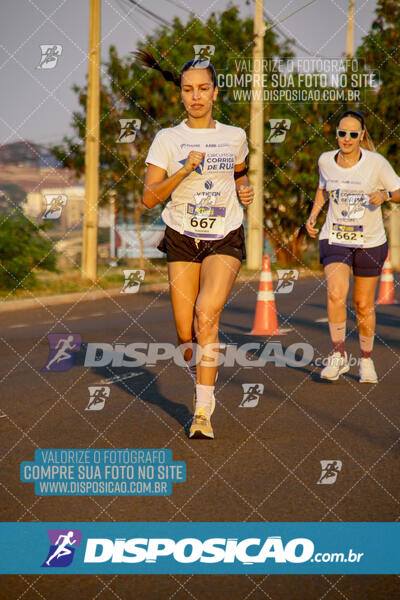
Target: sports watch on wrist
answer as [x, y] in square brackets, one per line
[388, 196]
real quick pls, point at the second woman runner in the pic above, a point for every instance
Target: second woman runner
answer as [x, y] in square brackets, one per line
[200, 163]
[356, 180]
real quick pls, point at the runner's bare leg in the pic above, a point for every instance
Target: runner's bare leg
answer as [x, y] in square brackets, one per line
[217, 276]
[184, 280]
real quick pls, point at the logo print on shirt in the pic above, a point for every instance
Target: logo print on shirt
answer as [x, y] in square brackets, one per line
[198, 169]
[353, 205]
[334, 195]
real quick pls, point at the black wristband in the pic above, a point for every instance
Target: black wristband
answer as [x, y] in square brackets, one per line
[238, 174]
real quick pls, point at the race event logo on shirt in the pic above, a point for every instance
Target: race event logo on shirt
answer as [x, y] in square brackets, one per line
[353, 204]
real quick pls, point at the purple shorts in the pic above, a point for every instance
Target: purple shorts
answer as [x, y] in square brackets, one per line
[366, 262]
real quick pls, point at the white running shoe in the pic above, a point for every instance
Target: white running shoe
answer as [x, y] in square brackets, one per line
[337, 365]
[367, 371]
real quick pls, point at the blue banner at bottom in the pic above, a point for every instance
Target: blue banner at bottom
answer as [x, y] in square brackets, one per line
[203, 548]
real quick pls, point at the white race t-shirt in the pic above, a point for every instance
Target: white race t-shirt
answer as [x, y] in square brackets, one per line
[349, 208]
[205, 204]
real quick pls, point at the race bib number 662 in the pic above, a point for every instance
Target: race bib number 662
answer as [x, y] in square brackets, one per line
[346, 235]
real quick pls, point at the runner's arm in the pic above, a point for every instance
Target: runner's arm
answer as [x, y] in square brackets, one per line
[395, 196]
[243, 180]
[157, 189]
[243, 189]
[319, 201]
[379, 197]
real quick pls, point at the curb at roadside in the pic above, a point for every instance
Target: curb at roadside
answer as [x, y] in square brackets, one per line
[91, 295]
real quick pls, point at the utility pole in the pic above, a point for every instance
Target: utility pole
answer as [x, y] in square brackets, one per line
[89, 251]
[350, 30]
[255, 212]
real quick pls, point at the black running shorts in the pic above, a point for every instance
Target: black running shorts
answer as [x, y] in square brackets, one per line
[366, 262]
[179, 247]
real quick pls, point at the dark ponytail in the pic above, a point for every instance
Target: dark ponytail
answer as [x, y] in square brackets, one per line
[148, 60]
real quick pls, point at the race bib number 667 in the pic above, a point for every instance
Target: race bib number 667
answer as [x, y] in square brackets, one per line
[206, 222]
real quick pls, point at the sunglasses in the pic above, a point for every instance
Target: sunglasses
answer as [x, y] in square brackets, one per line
[341, 133]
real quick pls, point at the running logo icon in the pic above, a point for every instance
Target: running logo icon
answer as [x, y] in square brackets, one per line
[98, 396]
[61, 352]
[279, 129]
[203, 54]
[334, 195]
[50, 55]
[329, 471]
[54, 205]
[63, 543]
[129, 129]
[286, 279]
[251, 394]
[133, 279]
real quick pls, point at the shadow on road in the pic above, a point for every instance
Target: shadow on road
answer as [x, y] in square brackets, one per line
[140, 382]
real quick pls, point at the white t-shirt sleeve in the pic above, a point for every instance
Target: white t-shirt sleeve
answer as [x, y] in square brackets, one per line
[243, 149]
[322, 180]
[158, 152]
[388, 178]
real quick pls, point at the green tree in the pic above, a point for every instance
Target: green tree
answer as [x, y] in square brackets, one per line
[23, 250]
[12, 198]
[380, 50]
[130, 91]
[291, 173]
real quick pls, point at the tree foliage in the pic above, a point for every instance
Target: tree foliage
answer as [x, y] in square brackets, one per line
[380, 50]
[23, 250]
[291, 175]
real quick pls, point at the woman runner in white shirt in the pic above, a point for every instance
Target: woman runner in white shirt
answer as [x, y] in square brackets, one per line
[356, 180]
[200, 163]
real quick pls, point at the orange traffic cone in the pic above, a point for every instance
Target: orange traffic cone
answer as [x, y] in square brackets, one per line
[265, 320]
[386, 287]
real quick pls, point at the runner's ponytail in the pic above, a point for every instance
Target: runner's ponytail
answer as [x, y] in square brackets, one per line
[148, 60]
[367, 142]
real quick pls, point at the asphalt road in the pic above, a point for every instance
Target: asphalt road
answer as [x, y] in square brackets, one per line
[263, 465]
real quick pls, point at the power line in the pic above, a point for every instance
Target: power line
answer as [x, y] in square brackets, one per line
[290, 14]
[180, 6]
[136, 14]
[283, 34]
[160, 20]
